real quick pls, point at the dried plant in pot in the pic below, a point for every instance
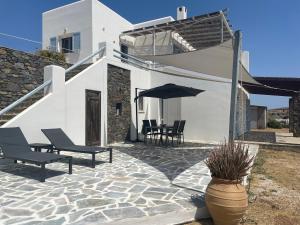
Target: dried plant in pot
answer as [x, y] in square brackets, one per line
[226, 197]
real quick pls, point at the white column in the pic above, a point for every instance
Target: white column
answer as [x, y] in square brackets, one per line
[57, 75]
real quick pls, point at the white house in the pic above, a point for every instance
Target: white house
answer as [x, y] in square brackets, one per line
[194, 52]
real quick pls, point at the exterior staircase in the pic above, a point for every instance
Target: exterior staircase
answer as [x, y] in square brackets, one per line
[24, 105]
[77, 70]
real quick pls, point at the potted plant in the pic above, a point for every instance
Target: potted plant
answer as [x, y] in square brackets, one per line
[226, 197]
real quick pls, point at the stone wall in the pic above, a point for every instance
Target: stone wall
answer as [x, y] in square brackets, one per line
[291, 111]
[118, 92]
[20, 73]
[242, 113]
[296, 115]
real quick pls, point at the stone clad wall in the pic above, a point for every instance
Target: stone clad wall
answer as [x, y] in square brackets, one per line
[242, 114]
[118, 91]
[291, 110]
[296, 115]
[20, 73]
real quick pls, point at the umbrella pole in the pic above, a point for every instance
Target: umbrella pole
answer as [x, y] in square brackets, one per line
[136, 117]
[162, 110]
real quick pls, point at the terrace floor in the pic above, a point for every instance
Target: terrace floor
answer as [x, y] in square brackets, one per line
[143, 182]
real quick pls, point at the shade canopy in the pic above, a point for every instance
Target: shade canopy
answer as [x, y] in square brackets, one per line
[170, 91]
[216, 61]
[276, 86]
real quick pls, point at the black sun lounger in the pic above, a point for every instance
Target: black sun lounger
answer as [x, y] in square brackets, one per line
[62, 142]
[15, 146]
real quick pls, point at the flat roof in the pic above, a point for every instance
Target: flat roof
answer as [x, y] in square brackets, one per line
[199, 31]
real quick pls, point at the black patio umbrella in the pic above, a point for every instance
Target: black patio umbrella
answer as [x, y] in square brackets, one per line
[168, 91]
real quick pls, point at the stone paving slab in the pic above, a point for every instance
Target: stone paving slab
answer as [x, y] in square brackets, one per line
[142, 182]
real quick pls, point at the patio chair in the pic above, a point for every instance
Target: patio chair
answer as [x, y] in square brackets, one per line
[62, 142]
[15, 146]
[154, 129]
[146, 130]
[181, 131]
[173, 132]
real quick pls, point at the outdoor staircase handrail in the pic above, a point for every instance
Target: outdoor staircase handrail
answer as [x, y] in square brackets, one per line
[47, 83]
[101, 50]
[25, 97]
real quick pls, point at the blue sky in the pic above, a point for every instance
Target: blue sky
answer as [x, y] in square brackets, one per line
[271, 30]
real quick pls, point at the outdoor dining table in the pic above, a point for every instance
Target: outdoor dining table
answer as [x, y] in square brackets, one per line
[163, 130]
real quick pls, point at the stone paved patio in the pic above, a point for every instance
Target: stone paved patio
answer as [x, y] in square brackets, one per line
[142, 181]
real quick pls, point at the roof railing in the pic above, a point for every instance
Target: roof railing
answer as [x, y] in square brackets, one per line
[127, 56]
[136, 61]
[139, 65]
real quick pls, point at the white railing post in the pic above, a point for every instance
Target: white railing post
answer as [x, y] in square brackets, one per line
[57, 75]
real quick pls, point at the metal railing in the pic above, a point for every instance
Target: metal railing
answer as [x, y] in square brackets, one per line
[47, 83]
[101, 50]
[130, 58]
[25, 97]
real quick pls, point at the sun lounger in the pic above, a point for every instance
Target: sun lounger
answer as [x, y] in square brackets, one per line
[15, 146]
[62, 142]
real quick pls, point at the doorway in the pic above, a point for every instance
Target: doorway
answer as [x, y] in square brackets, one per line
[93, 118]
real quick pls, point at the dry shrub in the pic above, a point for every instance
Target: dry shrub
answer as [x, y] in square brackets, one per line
[229, 161]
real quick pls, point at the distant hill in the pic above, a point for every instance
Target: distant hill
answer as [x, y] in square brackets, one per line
[279, 113]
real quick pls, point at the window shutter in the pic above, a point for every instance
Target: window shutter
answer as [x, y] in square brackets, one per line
[53, 44]
[76, 42]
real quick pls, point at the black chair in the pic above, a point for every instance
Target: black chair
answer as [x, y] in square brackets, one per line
[62, 142]
[173, 132]
[155, 131]
[181, 131]
[146, 130]
[15, 146]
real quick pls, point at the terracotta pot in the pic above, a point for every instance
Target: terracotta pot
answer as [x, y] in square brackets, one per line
[226, 201]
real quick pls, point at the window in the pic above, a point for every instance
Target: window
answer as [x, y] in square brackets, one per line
[76, 42]
[141, 104]
[67, 45]
[53, 44]
[119, 109]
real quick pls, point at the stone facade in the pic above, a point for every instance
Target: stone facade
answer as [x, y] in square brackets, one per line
[296, 115]
[291, 109]
[20, 73]
[242, 114]
[118, 104]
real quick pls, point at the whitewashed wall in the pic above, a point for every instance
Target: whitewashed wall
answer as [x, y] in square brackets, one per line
[93, 78]
[75, 17]
[107, 25]
[48, 112]
[206, 115]
[95, 22]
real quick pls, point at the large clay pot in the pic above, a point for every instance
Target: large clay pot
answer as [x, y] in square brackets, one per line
[226, 201]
